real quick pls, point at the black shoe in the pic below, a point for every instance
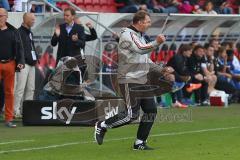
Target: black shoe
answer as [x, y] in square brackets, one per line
[141, 146]
[10, 124]
[99, 132]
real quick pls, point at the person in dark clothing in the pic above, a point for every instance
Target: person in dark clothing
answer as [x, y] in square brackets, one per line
[25, 80]
[194, 65]
[71, 39]
[182, 74]
[69, 36]
[11, 59]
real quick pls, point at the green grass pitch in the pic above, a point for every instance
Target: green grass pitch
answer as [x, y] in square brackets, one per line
[198, 133]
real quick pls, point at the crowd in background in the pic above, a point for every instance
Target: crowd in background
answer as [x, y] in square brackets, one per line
[152, 6]
[180, 6]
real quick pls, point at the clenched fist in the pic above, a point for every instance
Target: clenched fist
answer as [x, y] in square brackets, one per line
[160, 38]
[75, 37]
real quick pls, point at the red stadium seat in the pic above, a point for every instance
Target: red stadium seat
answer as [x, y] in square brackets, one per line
[81, 6]
[97, 8]
[90, 8]
[88, 2]
[95, 2]
[160, 56]
[109, 9]
[153, 56]
[104, 2]
[79, 2]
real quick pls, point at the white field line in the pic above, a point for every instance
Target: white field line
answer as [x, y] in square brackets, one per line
[17, 141]
[119, 139]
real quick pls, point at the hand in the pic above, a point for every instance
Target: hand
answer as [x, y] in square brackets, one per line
[115, 35]
[160, 38]
[75, 37]
[169, 77]
[89, 25]
[20, 66]
[228, 76]
[57, 30]
[199, 77]
[168, 69]
[212, 73]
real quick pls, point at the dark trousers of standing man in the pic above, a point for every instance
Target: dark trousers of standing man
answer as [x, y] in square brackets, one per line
[134, 103]
[7, 74]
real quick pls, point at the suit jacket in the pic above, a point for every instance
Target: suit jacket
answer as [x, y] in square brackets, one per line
[67, 47]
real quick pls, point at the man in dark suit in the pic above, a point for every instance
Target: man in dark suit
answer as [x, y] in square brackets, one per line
[69, 36]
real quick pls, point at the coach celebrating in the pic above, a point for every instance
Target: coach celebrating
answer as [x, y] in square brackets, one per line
[134, 66]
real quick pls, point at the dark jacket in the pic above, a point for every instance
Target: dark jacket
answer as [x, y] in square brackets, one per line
[179, 63]
[17, 47]
[194, 64]
[67, 47]
[28, 45]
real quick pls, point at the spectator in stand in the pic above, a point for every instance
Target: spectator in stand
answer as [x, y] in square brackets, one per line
[196, 9]
[208, 8]
[222, 7]
[185, 7]
[132, 6]
[5, 4]
[21, 6]
[39, 8]
[166, 6]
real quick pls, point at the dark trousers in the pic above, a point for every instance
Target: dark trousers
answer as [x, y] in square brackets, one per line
[133, 105]
[201, 94]
[226, 86]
